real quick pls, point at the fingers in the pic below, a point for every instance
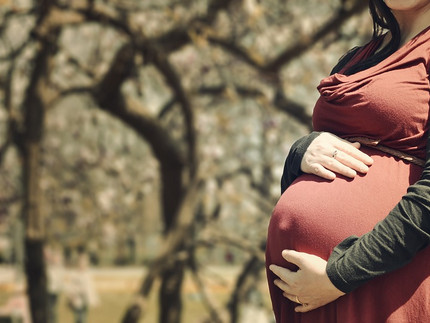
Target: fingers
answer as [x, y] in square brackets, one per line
[286, 283]
[294, 298]
[353, 149]
[309, 286]
[354, 158]
[344, 165]
[302, 306]
[282, 285]
[293, 256]
[355, 144]
[281, 272]
[350, 157]
[329, 155]
[305, 308]
[321, 171]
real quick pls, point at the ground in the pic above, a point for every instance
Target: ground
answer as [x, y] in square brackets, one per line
[116, 286]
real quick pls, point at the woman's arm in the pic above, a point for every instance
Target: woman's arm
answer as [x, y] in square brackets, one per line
[391, 244]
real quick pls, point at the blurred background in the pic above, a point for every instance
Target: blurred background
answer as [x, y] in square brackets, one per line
[141, 147]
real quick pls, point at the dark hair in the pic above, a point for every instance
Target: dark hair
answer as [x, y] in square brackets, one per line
[383, 19]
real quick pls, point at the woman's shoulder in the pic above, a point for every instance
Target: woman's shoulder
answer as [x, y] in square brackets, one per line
[364, 50]
[418, 47]
[344, 59]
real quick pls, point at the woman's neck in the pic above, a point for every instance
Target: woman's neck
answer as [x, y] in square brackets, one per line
[412, 22]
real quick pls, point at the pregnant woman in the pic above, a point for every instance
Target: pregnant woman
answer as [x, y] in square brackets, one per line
[378, 95]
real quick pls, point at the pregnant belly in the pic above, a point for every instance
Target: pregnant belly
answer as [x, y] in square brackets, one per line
[314, 215]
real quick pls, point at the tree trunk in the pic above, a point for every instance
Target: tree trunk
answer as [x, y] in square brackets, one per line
[33, 219]
[170, 294]
[29, 142]
[36, 280]
[176, 172]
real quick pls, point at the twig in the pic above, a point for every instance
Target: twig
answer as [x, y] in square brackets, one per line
[214, 315]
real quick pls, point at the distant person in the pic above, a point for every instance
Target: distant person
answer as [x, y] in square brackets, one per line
[55, 275]
[81, 293]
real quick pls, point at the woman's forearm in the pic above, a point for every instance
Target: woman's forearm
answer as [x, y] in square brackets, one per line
[390, 245]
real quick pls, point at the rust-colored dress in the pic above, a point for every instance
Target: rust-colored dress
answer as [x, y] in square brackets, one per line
[388, 102]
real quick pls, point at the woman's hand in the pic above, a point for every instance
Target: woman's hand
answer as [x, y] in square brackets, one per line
[329, 154]
[309, 286]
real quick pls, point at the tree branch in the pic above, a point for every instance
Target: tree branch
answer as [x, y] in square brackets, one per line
[306, 43]
[296, 110]
[280, 101]
[160, 61]
[303, 44]
[214, 315]
[179, 37]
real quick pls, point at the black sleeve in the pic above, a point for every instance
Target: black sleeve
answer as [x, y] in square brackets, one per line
[294, 159]
[391, 244]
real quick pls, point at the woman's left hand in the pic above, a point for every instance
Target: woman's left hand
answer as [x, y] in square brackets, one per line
[310, 286]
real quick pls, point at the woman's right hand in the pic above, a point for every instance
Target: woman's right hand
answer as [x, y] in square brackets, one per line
[329, 155]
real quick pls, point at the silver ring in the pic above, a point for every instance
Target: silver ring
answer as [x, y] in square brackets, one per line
[334, 153]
